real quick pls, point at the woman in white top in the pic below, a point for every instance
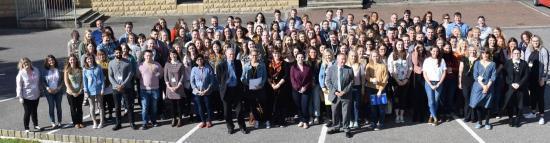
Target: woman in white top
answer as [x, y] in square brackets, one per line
[53, 84]
[28, 92]
[357, 88]
[434, 74]
[400, 67]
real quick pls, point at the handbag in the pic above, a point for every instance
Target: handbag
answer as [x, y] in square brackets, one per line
[378, 100]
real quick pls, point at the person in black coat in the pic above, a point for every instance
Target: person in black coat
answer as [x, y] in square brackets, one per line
[516, 79]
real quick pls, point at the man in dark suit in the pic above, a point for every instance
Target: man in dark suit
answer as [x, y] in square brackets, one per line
[516, 77]
[339, 80]
[230, 88]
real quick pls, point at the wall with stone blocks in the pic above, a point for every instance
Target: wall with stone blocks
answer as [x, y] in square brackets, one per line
[135, 7]
[246, 6]
[170, 7]
[7, 8]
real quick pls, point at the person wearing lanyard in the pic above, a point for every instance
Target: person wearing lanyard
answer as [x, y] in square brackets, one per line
[255, 73]
[538, 59]
[483, 89]
[28, 93]
[53, 84]
[202, 80]
[94, 85]
[229, 73]
[120, 75]
[174, 78]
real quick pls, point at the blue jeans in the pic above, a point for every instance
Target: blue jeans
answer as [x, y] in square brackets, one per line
[54, 103]
[202, 102]
[149, 100]
[315, 101]
[433, 97]
[356, 103]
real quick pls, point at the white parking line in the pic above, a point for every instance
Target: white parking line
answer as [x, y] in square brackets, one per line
[3, 100]
[53, 131]
[188, 134]
[323, 134]
[533, 8]
[479, 139]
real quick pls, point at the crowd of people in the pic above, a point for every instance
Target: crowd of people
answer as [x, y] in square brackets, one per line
[340, 72]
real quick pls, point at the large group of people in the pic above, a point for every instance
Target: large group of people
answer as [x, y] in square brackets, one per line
[340, 72]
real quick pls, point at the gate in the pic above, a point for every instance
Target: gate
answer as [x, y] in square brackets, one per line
[44, 12]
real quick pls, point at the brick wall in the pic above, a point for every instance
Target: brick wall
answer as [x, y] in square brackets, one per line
[7, 8]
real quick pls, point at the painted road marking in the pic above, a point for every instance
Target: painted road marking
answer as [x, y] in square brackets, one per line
[188, 134]
[323, 135]
[479, 139]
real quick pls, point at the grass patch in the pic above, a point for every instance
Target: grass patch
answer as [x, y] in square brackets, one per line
[17, 141]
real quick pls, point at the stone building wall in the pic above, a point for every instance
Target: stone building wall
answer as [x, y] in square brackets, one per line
[7, 8]
[170, 7]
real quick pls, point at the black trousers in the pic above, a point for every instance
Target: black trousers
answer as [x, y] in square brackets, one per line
[259, 105]
[233, 98]
[126, 96]
[108, 104]
[75, 104]
[536, 96]
[468, 111]
[419, 100]
[30, 107]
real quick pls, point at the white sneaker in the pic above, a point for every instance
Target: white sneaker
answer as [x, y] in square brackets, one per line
[300, 124]
[529, 115]
[94, 126]
[401, 119]
[397, 120]
[100, 125]
[26, 131]
[541, 121]
[267, 125]
[37, 128]
[316, 120]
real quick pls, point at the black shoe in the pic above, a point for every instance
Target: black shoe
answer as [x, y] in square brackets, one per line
[133, 126]
[349, 135]
[116, 127]
[144, 127]
[244, 130]
[230, 131]
[333, 131]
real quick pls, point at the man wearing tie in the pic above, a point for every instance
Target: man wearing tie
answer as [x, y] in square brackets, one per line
[339, 80]
[229, 72]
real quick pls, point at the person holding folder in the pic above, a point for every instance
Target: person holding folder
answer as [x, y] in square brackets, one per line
[377, 79]
[254, 77]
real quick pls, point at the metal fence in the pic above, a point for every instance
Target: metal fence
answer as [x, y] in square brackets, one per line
[45, 10]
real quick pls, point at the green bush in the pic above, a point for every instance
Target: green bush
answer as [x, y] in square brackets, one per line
[17, 141]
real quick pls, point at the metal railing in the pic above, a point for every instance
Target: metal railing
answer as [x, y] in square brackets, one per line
[45, 10]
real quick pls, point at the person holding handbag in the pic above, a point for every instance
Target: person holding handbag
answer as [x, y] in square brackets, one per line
[377, 78]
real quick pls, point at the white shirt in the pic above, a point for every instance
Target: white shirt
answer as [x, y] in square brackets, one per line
[52, 78]
[432, 71]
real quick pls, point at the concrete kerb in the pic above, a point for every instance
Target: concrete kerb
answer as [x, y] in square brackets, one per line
[43, 137]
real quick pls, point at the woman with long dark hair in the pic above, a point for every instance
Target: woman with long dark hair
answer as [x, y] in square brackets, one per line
[434, 69]
[53, 84]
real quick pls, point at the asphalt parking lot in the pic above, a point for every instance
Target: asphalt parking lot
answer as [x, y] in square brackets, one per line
[515, 17]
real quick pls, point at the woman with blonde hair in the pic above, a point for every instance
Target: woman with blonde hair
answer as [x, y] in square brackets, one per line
[28, 91]
[357, 87]
[537, 57]
[88, 39]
